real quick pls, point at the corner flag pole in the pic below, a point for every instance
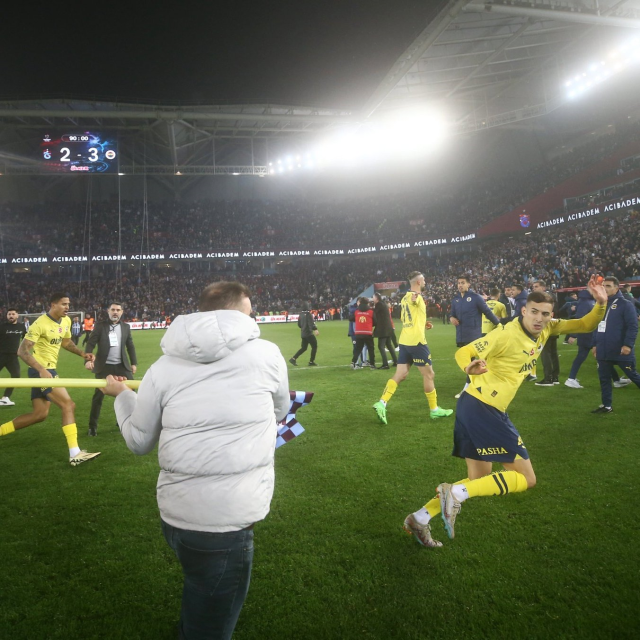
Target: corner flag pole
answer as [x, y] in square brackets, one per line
[71, 383]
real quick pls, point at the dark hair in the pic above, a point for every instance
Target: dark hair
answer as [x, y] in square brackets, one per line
[118, 304]
[465, 278]
[56, 297]
[305, 306]
[12, 309]
[413, 275]
[612, 279]
[377, 295]
[494, 292]
[223, 295]
[540, 296]
[517, 285]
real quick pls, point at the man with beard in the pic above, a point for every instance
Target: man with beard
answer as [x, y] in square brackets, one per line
[413, 350]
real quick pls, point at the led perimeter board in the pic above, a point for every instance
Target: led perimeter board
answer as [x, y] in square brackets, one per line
[79, 152]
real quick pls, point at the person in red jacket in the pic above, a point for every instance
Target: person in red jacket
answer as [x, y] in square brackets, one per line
[363, 330]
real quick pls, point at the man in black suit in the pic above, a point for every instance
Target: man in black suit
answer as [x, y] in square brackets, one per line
[383, 330]
[116, 356]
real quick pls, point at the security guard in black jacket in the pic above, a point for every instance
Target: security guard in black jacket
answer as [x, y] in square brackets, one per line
[308, 333]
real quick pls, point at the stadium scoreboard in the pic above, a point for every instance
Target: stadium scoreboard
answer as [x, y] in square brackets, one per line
[79, 152]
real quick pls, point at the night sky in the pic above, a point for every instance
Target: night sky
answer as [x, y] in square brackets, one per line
[329, 54]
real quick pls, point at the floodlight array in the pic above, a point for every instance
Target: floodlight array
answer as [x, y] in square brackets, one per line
[399, 136]
[621, 58]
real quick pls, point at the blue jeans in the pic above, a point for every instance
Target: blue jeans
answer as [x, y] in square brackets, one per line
[582, 355]
[217, 571]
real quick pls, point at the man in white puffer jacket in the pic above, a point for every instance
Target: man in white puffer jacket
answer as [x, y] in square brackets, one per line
[212, 401]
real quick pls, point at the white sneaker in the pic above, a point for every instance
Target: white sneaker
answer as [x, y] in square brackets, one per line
[83, 456]
[623, 382]
[6, 402]
[573, 383]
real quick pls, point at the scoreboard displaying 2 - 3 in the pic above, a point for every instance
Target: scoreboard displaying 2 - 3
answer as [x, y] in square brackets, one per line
[79, 151]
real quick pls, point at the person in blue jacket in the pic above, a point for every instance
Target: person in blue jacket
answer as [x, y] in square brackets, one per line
[519, 299]
[467, 309]
[615, 340]
[569, 308]
[585, 341]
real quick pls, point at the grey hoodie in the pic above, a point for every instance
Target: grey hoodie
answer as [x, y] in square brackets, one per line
[212, 402]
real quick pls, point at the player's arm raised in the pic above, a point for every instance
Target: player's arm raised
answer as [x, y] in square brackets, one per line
[587, 323]
[67, 343]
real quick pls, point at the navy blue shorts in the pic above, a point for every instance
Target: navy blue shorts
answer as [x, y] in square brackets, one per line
[44, 391]
[418, 355]
[481, 432]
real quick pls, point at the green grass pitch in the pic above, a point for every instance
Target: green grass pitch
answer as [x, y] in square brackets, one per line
[82, 555]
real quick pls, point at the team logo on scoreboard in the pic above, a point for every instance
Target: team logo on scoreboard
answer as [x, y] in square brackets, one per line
[525, 221]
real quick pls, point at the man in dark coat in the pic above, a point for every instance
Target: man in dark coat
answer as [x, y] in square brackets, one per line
[383, 330]
[116, 356]
[615, 340]
[308, 333]
[467, 309]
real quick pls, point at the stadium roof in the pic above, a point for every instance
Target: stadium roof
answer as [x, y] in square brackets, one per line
[488, 65]
[496, 63]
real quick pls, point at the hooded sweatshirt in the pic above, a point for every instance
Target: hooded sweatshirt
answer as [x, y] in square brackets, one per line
[212, 401]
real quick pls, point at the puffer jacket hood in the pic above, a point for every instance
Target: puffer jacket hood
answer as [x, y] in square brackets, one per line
[208, 336]
[584, 294]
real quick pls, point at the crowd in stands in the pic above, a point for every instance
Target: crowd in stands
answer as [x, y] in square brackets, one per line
[436, 210]
[563, 256]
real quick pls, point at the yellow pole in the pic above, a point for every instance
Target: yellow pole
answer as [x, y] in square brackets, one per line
[71, 383]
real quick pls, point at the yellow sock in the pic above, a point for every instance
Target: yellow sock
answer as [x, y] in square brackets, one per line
[432, 398]
[498, 483]
[389, 390]
[71, 433]
[7, 428]
[433, 506]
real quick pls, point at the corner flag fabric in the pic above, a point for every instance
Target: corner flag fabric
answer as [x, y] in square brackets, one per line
[289, 428]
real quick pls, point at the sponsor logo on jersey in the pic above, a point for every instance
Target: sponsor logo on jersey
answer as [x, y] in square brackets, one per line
[490, 451]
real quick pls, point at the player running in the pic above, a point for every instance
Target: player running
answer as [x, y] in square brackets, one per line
[413, 350]
[40, 350]
[483, 432]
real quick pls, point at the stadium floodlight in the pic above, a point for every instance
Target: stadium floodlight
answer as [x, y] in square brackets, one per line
[398, 136]
[412, 132]
[625, 54]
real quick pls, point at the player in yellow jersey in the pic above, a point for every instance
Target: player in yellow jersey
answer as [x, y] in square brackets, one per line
[40, 350]
[483, 432]
[498, 309]
[413, 350]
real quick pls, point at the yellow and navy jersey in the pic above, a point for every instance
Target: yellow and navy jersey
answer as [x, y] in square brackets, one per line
[499, 310]
[47, 335]
[511, 353]
[414, 319]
